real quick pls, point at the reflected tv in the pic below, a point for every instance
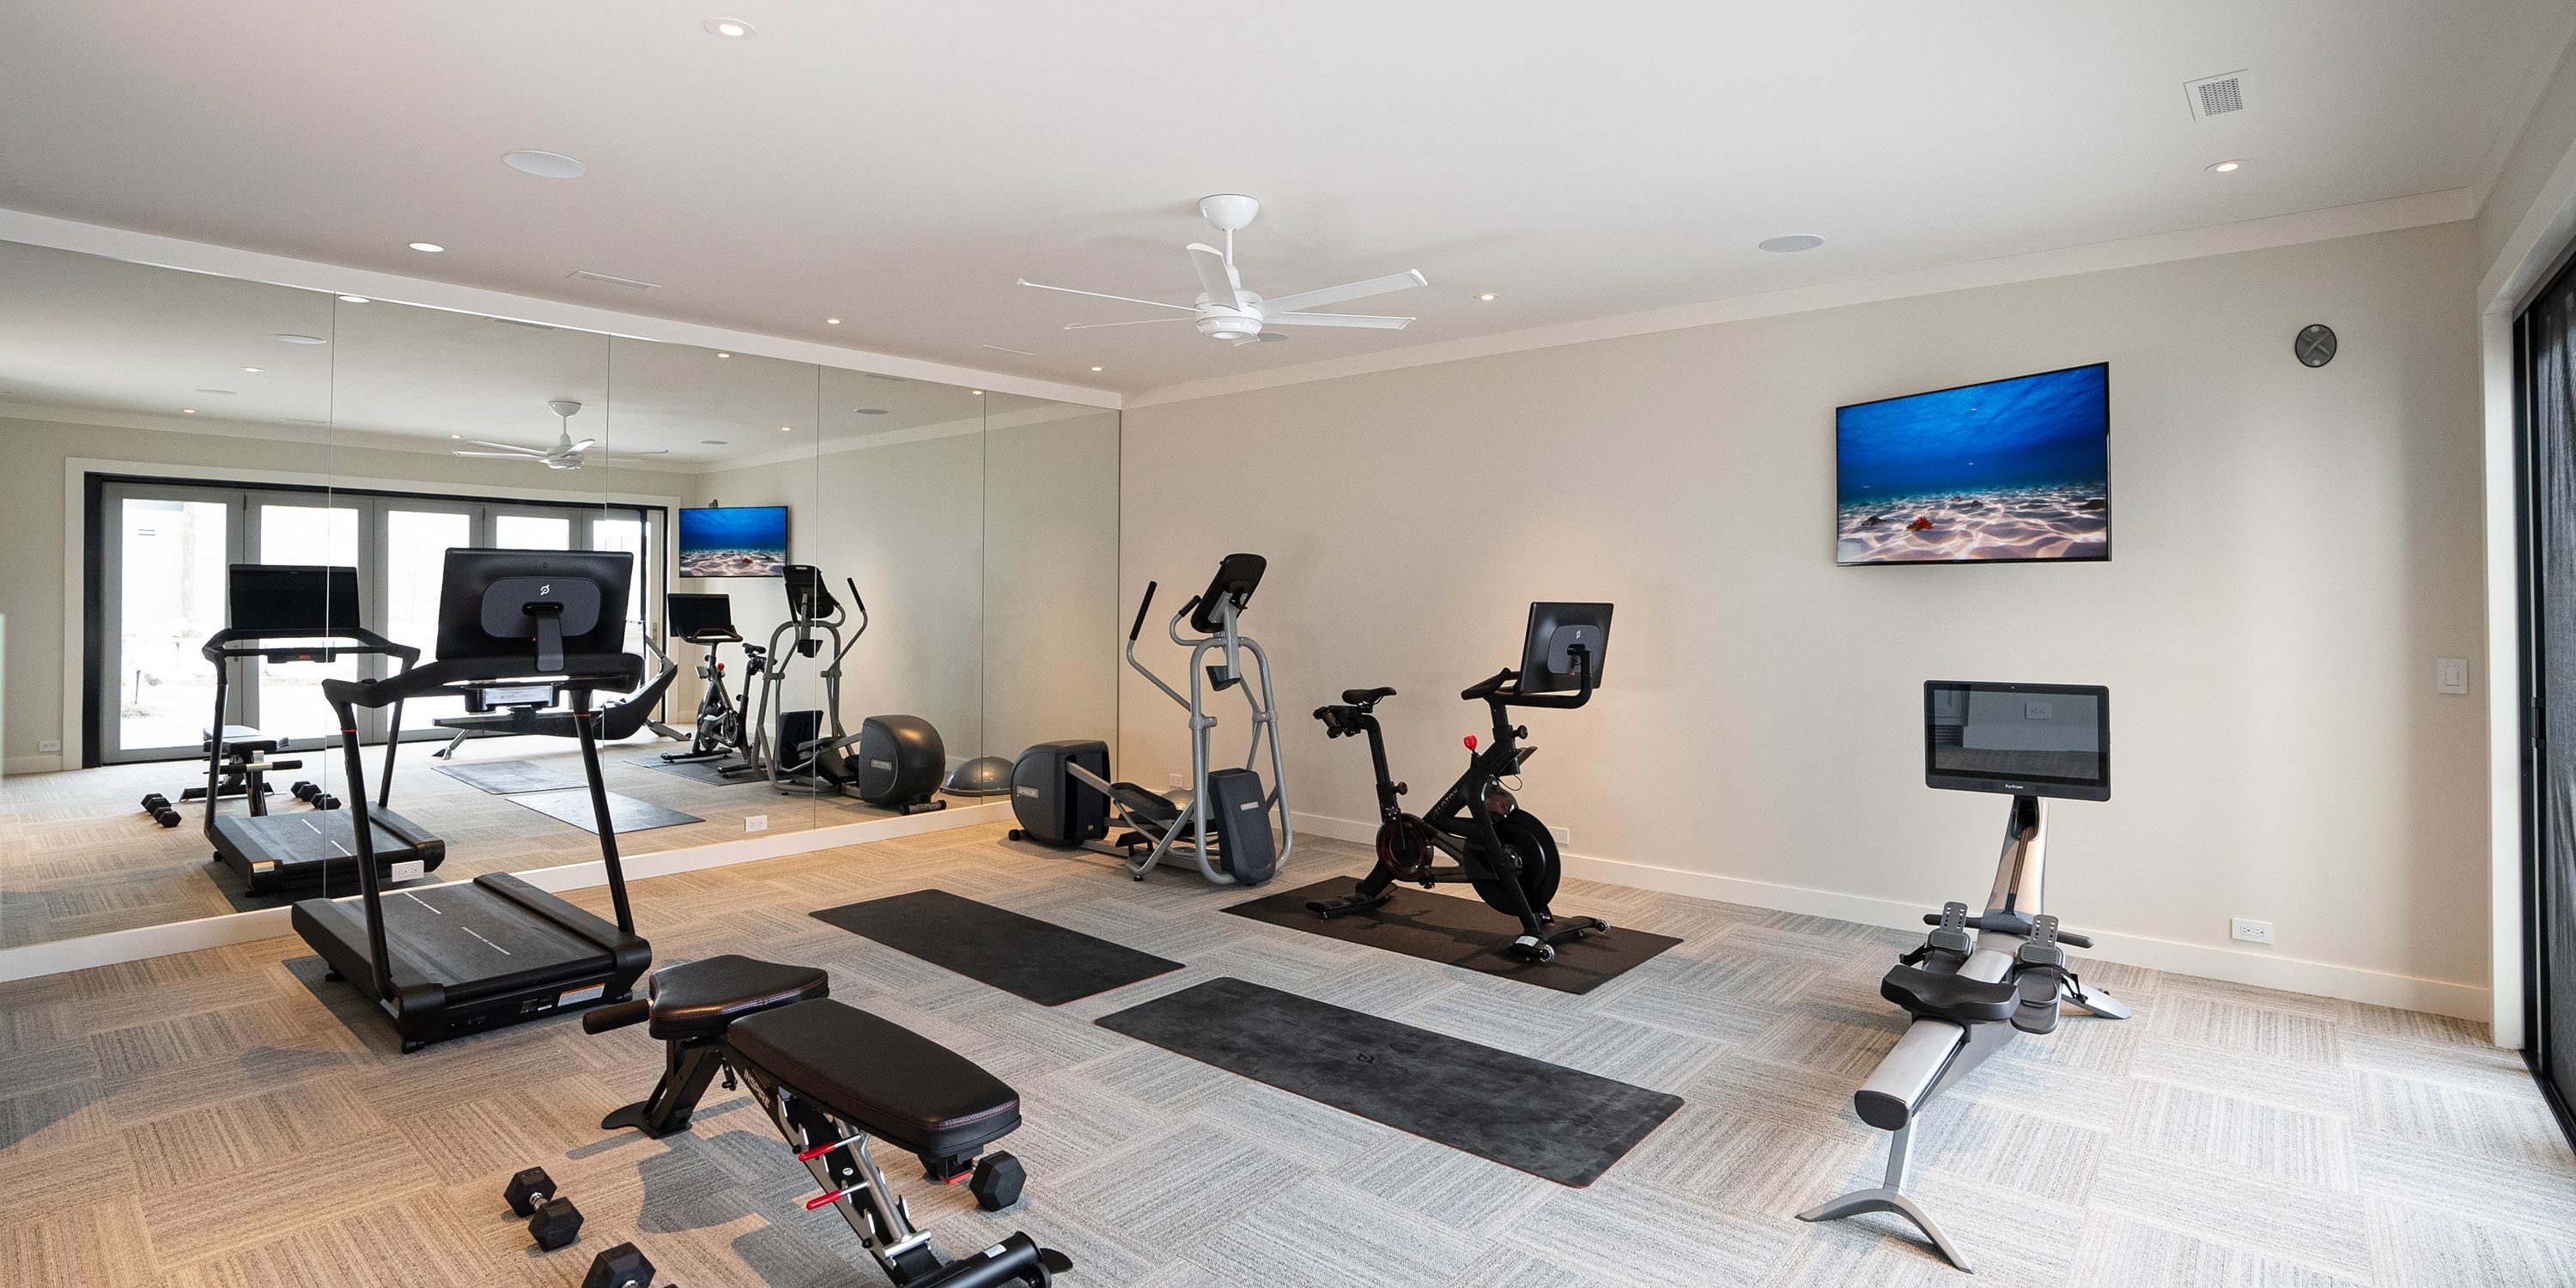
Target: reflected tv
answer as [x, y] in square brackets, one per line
[2007, 471]
[734, 541]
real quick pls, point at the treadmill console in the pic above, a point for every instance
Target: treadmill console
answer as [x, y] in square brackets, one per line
[509, 696]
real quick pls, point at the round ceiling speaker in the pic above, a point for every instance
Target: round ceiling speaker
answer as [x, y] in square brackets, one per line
[2315, 345]
[1790, 244]
[544, 165]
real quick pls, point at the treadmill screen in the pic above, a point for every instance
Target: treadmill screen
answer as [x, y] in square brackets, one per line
[2025, 739]
[285, 601]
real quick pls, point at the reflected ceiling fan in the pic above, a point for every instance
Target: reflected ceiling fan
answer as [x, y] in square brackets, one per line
[1225, 311]
[564, 455]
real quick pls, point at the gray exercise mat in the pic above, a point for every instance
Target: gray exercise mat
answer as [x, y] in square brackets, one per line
[1039, 960]
[1460, 932]
[625, 813]
[699, 771]
[510, 777]
[1562, 1124]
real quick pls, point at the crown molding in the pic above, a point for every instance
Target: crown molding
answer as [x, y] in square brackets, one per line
[2450, 205]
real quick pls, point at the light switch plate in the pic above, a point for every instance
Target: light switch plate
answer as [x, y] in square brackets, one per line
[50, 745]
[2450, 675]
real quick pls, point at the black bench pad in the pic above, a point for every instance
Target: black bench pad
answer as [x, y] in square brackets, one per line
[878, 1075]
[700, 998]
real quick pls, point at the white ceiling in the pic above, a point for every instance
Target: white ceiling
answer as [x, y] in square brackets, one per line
[898, 165]
[81, 332]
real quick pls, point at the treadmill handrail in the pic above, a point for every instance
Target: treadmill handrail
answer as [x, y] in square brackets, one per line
[223, 645]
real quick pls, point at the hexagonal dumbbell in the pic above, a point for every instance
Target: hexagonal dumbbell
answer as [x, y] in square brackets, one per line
[624, 1266]
[528, 1190]
[998, 1178]
[555, 1224]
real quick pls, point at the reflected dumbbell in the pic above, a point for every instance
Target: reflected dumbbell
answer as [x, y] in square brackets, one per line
[313, 795]
[161, 810]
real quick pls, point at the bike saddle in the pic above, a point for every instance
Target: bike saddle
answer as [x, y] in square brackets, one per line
[1366, 697]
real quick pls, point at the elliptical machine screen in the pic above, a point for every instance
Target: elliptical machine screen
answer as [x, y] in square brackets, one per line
[2021, 739]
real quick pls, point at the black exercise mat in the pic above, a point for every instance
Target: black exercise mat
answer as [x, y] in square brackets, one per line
[625, 813]
[1562, 1124]
[1038, 960]
[1460, 932]
[701, 771]
[511, 777]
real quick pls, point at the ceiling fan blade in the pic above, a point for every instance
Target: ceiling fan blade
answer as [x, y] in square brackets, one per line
[658, 451]
[1094, 326]
[1213, 278]
[1128, 299]
[507, 447]
[500, 456]
[1333, 319]
[577, 448]
[1404, 281]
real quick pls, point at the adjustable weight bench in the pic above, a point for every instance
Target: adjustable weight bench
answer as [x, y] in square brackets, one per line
[831, 1076]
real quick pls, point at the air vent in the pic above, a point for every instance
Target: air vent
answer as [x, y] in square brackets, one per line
[2217, 95]
[603, 279]
[999, 349]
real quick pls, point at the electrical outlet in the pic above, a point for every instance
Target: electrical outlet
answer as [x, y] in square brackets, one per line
[1563, 835]
[50, 745]
[2252, 932]
[1178, 780]
[755, 822]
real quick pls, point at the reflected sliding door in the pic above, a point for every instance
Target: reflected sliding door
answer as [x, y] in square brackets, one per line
[2547, 335]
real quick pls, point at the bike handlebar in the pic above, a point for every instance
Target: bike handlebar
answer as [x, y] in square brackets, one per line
[1141, 606]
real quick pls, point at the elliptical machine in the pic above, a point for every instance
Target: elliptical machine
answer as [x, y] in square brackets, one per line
[1499, 848]
[1062, 794]
[893, 762]
[1971, 997]
[707, 620]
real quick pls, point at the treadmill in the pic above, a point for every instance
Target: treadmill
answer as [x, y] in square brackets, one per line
[515, 628]
[303, 613]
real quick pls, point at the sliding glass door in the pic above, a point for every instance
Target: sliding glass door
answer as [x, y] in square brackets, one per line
[2547, 336]
[162, 553]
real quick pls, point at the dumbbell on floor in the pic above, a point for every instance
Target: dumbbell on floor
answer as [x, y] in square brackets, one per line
[624, 1266]
[161, 810]
[305, 789]
[553, 1221]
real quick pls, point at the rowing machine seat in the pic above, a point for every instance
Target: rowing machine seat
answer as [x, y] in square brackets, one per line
[1945, 995]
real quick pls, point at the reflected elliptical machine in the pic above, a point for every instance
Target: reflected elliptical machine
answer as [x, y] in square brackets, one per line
[892, 762]
[1971, 997]
[1062, 794]
[1500, 848]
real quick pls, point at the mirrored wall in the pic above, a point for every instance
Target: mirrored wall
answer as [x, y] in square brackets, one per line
[897, 584]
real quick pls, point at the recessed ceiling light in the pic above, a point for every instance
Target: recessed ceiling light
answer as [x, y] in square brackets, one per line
[2227, 167]
[1486, 296]
[729, 28]
[721, 354]
[711, 442]
[544, 165]
[456, 436]
[787, 429]
[831, 321]
[254, 370]
[1790, 244]
[289, 337]
[1096, 368]
[428, 248]
[187, 411]
[977, 392]
[354, 299]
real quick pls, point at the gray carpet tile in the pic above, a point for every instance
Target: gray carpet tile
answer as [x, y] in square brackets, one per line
[227, 1118]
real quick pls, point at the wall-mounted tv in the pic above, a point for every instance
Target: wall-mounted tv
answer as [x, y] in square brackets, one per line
[2005, 471]
[733, 541]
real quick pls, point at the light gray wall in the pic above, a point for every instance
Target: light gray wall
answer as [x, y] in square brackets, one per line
[2294, 548]
[1051, 616]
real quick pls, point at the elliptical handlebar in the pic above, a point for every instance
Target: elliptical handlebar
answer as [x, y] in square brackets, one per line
[1138, 626]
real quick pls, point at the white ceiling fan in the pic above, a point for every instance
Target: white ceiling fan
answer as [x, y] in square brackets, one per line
[564, 455]
[1225, 311]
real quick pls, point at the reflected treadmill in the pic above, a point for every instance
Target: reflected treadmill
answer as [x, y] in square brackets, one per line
[516, 629]
[300, 613]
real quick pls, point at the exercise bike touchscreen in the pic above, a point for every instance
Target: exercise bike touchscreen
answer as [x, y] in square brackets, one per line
[1547, 650]
[2023, 739]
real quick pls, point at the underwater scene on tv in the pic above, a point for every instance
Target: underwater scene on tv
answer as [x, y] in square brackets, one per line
[733, 541]
[2007, 470]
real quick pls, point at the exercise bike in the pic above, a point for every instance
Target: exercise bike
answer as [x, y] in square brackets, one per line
[1497, 847]
[707, 620]
[1971, 997]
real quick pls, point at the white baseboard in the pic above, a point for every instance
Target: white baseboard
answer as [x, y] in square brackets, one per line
[30, 960]
[16, 765]
[2236, 966]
